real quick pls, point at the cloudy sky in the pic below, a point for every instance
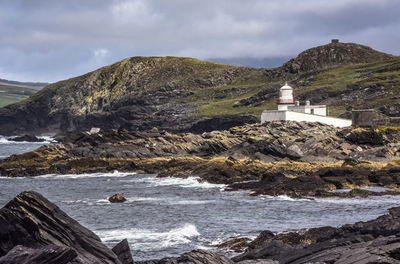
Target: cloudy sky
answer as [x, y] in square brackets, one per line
[50, 40]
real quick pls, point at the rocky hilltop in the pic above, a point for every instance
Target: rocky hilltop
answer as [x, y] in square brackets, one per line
[276, 158]
[189, 95]
[333, 55]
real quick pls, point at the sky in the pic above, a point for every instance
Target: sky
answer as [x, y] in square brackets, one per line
[51, 40]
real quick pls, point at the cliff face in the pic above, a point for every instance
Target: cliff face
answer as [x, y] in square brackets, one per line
[183, 94]
[136, 93]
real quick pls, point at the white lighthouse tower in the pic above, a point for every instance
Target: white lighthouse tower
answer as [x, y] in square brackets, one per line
[285, 98]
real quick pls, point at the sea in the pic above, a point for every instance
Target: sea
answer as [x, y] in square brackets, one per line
[169, 216]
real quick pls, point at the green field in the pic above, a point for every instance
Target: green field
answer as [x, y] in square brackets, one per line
[10, 94]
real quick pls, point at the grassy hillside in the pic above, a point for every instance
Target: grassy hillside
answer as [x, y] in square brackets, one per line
[12, 94]
[174, 93]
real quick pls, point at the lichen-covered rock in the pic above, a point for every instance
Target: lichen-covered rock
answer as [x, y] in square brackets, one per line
[117, 198]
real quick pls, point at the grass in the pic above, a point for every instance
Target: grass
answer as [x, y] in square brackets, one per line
[6, 100]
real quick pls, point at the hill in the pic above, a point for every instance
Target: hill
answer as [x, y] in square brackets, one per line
[13, 91]
[184, 94]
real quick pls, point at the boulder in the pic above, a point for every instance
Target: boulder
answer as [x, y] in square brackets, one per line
[117, 198]
[123, 252]
[31, 221]
[28, 138]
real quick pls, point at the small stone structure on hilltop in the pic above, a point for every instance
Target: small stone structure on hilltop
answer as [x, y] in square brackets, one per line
[291, 110]
[372, 118]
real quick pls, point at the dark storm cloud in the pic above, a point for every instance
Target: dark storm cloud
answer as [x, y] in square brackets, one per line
[51, 40]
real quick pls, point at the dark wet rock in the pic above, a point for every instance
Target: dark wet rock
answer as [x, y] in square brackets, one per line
[261, 239]
[237, 244]
[123, 252]
[258, 261]
[366, 136]
[221, 123]
[193, 257]
[117, 198]
[50, 254]
[28, 138]
[30, 220]
[375, 241]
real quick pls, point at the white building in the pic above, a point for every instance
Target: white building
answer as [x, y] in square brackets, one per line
[291, 110]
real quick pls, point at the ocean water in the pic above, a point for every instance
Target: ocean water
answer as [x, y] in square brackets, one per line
[169, 216]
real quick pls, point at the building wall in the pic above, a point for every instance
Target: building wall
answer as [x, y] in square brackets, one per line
[308, 109]
[299, 117]
[282, 107]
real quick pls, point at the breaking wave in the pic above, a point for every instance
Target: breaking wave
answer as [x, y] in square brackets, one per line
[189, 182]
[114, 174]
[150, 238]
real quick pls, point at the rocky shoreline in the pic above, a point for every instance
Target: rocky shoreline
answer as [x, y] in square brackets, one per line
[277, 158]
[34, 230]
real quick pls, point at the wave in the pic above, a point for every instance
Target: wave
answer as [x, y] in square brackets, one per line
[86, 175]
[155, 239]
[284, 198]
[189, 182]
[389, 199]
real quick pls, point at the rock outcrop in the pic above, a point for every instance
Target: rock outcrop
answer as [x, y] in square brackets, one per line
[50, 254]
[123, 252]
[34, 230]
[27, 138]
[194, 257]
[276, 158]
[375, 241]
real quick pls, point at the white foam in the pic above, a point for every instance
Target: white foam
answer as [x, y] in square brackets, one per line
[176, 236]
[283, 198]
[86, 175]
[189, 182]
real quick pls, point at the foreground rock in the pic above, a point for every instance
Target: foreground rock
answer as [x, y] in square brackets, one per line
[50, 254]
[35, 230]
[376, 241]
[194, 257]
[117, 198]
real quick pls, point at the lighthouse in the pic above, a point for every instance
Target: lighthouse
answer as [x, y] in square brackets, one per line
[291, 110]
[285, 98]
